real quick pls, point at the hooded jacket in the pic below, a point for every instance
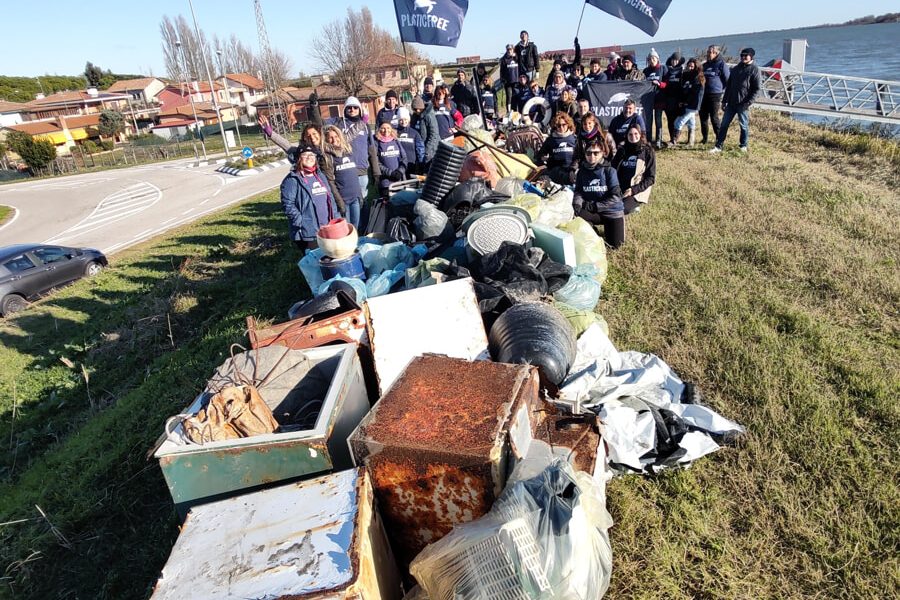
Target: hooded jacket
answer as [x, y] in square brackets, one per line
[672, 78]
[393, 160]
[618, 127]
[635, 166]
[743, 86]
[559, 150]
[427, 126]
[716, 72]
[464, 97]
[412, 144]
[522, 95]
[584, 137]
[308, 203]
[597, 190]
[387, 115]
[357, 132]
[509, 68]
[634, 74]
[528, 56]
[325, 165]
[346, 178]
[691, 90]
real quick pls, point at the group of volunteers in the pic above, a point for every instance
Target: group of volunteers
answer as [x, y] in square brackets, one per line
[611, 171]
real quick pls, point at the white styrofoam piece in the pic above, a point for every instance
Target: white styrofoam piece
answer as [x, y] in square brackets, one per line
[290, 540]
[559, 245]
[437, 319]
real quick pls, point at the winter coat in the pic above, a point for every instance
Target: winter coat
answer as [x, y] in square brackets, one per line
[529, 60]
[387, 115]
[521, 96]
[635, 166]
[509, 69]
[488, 101]
[672, 79]
[427, 126]
[586, 136]
[658, 74]
[393, 160]
[445, 122]
[308, 203]
[346, 178]
[360, 138]
[589, 78]
[597, 190]
[691, 92]
[618, 127]
[412, 144]
[634, 74]
[464, 97]
[716, 72]
[324, 166]
[554, 93]
[743, 86]
[558, 150]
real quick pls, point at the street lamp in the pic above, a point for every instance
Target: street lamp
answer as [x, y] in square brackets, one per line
[237, 126]
[187, 79]
[212, 91]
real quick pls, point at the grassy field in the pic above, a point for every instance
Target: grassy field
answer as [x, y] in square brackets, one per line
[769, 279]
[6, 213]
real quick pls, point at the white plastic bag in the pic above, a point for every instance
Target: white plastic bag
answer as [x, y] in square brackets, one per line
[557, 209]
[430, 220]
[589, 246]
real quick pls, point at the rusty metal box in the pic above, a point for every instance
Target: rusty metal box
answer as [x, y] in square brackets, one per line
[439, 442]
[317, 539]
[327, 380]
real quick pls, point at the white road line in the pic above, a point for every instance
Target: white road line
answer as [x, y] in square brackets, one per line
[216, 193]
[119, 205]
[14, 217]
[169, 220]
[188, 211]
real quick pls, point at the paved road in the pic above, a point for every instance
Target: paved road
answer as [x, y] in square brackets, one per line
[112, 210]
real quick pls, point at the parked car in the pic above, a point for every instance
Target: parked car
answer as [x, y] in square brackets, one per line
[28, 271]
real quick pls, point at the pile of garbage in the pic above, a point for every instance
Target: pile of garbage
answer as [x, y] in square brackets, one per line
[439, 421]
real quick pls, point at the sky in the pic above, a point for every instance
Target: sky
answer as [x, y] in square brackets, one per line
[56, 37]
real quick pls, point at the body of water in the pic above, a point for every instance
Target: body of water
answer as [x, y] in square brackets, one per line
[859, 50]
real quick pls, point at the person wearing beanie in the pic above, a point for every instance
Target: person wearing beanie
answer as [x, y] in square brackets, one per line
[612, 66]
[307, 199]
[355, 129]
[388, 114]
[509, 74]
[716, 72]
[743, 87]
[411, 141]
[427, 90]
[425, 123]
[672, 92]
[629, 71]
[522, 93]
[655, 73]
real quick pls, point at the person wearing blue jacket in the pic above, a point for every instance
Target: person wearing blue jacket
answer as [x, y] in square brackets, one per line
[743, 87]
[558, 150]
[522, 93]
[411, 141]
[307, 199]
[692, 83]
[716, 73]
[356, 130]
[598, 196]
[391, 157]
[655, 73]
[618, 127]
[388, 114]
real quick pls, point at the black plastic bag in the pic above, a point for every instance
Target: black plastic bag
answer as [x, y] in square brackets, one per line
[398, 228]
[523, 274]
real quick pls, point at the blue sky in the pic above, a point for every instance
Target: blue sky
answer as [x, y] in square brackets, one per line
[56, 37]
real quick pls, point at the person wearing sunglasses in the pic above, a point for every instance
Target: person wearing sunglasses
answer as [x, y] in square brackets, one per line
[743, 86]
[598, 197]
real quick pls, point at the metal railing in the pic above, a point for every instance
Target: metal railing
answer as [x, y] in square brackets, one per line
[820, 94]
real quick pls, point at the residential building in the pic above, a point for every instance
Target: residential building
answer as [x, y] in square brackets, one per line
[331, 102]
[143, 103]
[243, 89]
[177, 120]
[390, 70]
[11, 113]
[90, 101]
[176, 94]
[63, 131]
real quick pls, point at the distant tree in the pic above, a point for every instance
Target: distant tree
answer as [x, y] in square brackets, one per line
[236, 57]
[347, 48]
[196, 50]
[37, 154]
[93, 74]
[112, 123]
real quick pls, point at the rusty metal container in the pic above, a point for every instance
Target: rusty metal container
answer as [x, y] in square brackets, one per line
[438, 444]
[324, 386]
[573, 437]
[344, 324]
[317, 539]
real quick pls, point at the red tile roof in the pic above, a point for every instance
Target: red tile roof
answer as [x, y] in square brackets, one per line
[127, 85]
[247, 80]
[36, 127]
[11, 107]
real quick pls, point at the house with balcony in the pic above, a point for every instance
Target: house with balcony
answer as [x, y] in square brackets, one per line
[86, 102]
[331, 102]
[178, 120]
[243, 89]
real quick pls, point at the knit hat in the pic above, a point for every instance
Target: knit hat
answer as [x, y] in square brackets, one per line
[653, 54]
[613, 56]
[352, 101]
[403, 112]
[749, 51]
[460, 70]
[418, 103]
[390, 94]
[428, 80]
[628, 57]
[306, 148]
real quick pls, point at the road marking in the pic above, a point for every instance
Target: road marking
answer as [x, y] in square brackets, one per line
[190, 210]
[168, 220]
[216, 193]
[115, 207]
[14, 217]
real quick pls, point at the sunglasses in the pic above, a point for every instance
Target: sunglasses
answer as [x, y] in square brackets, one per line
[352, 108]
[593, 152]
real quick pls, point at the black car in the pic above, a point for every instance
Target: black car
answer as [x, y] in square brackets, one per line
[30, 270]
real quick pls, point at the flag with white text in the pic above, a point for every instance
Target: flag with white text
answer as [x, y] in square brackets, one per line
[431, 22]
[643, 14]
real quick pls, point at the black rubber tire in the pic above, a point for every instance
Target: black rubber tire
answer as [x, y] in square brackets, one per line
[92, 269]
[12, 303]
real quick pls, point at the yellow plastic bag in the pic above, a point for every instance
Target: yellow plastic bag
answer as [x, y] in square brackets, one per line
[530, 202]
[589, 246]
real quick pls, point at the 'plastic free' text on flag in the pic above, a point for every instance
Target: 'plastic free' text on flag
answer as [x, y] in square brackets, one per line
[431, 22]
[643, 14]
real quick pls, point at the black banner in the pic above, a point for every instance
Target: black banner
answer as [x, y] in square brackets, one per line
[643, 14]
[608, 98]
[431, 22]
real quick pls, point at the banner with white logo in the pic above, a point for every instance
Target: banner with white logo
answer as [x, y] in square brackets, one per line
[643, 14]
[608, 98]
[431, 22]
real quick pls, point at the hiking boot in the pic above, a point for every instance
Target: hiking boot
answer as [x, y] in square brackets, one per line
[743, 149]
[715, 150]
[691, 138]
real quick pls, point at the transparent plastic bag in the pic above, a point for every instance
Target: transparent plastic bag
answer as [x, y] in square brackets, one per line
[582, 291]
[309, 268]
[580, 320]
[545, 537]
[530, 202]
[510, 186]
[589, 246]
[377, 259]
[358, 285]
[556, 209]
[430, 221]
[382, 283]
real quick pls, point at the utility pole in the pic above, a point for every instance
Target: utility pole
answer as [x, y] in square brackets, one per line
[237, 126]
[187, 77]
[212, 91]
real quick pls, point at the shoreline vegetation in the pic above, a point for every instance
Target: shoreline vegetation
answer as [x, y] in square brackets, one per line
[769, 279]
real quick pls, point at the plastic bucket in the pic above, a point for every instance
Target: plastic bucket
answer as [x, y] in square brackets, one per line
[352, 266]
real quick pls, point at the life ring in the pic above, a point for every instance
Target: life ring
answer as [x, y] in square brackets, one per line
[538, 103]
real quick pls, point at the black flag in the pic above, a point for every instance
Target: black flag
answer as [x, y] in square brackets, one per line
[643, 14]
[608, 98]
[431, 22]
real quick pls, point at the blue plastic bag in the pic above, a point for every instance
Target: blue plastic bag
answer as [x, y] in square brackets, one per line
[358, 285]
[309, 267]
[382, 283]
[389, 257]
[582, 291]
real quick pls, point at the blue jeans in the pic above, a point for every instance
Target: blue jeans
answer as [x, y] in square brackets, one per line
[743, 118]
[686, 119]
[364, 185]
[353, 211]
[655, 133]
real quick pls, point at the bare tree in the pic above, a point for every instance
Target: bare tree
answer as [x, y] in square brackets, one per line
[347, 48]
[195, 50]
[236, 56]
[282, 66]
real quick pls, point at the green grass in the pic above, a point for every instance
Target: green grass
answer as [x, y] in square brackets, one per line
[6, 213]
[769, 279]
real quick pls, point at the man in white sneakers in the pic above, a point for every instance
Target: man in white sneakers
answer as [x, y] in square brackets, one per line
[743, 86]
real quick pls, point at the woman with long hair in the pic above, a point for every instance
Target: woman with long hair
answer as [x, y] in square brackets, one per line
[338, 157]
[598, 197]
[692, 84]
[591, 129]
[307, 199]
[558, 150]
[448, 118]
[635, 165]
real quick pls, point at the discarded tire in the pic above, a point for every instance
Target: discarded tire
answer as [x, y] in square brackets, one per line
[443, 173]
[536, 334]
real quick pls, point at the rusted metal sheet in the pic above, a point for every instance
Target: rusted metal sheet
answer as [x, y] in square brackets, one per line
[440, 319]
[346, 327]
[317, 395]
[437, 444]
[574, 437]
[312, 540]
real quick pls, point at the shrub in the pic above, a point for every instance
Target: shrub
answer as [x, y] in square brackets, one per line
[37, 154]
